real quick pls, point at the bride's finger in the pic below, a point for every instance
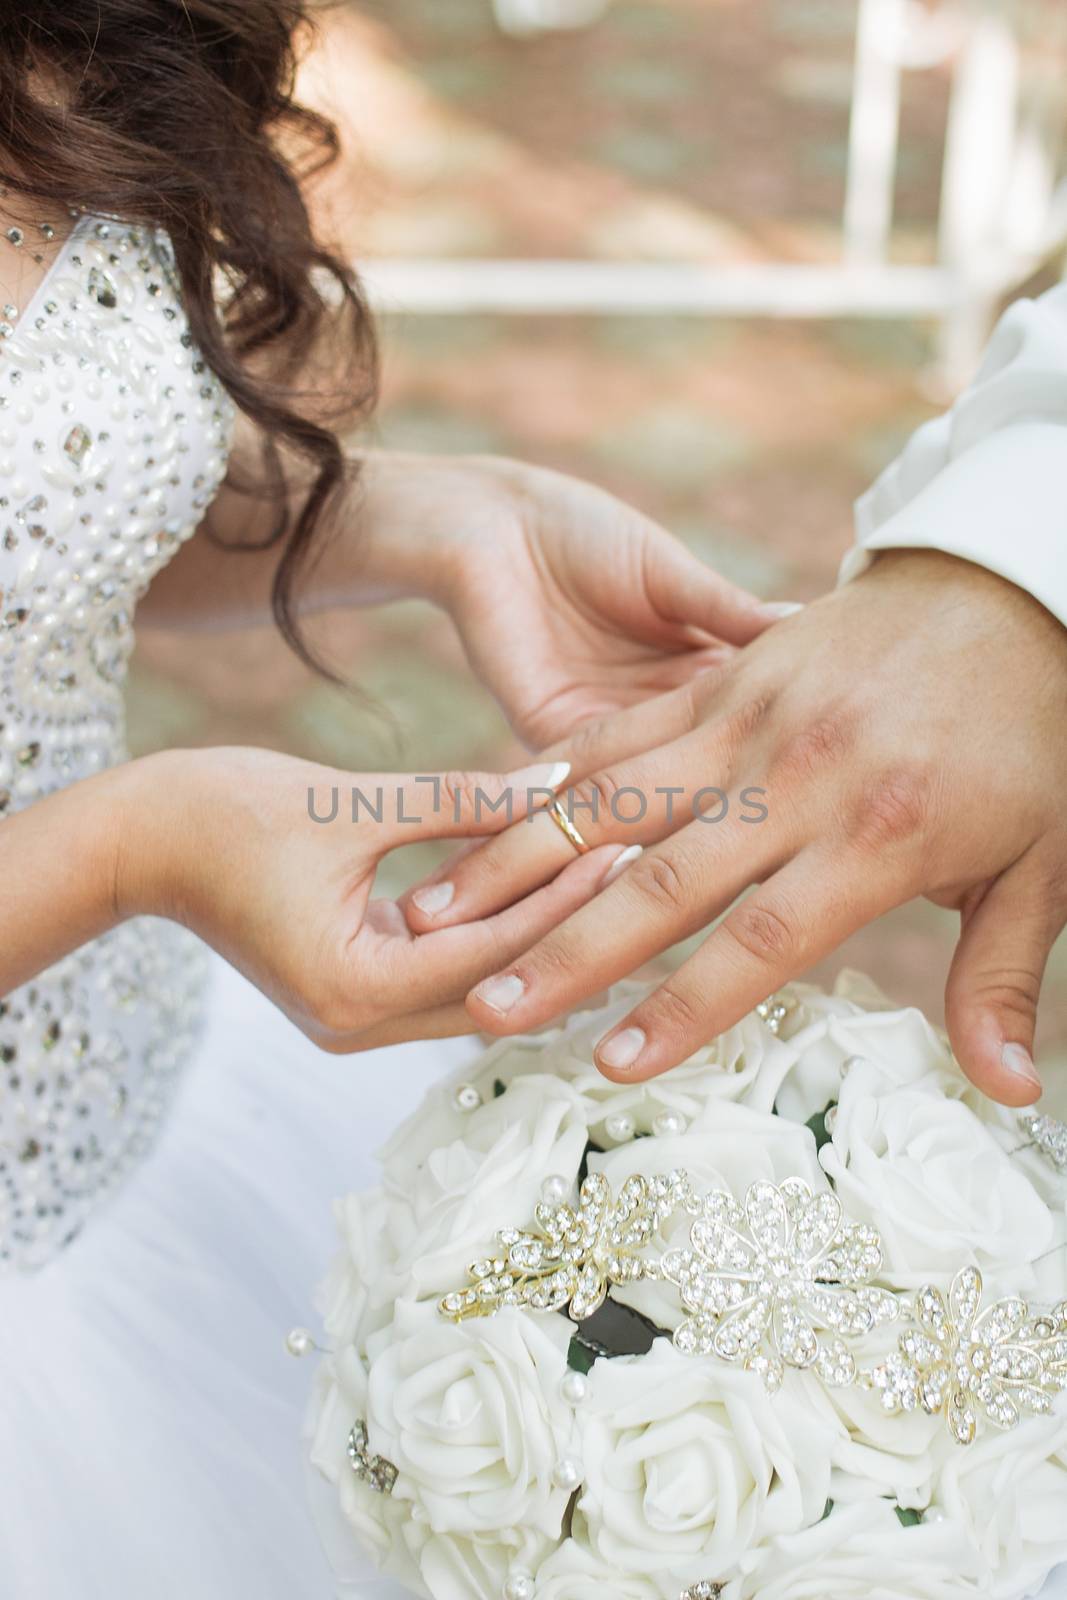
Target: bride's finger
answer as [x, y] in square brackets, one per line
[667, 894]
[407, 808]
[440, 967]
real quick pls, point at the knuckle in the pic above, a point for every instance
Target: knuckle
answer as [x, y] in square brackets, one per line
[658, 881]
[819, 744]
[764, 932]
[594, 798]
[585, 744]
[1015, 990]
[892, 810]
[751, 714]
[554, 963]
[455, 791]
[678, 1013]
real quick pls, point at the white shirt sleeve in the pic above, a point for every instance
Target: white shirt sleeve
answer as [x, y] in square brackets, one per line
[988, 481]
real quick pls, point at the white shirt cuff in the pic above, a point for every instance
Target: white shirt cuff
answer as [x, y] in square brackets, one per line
[1001, 504]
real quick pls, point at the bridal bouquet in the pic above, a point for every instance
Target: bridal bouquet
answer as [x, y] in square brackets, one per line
[787, 1322]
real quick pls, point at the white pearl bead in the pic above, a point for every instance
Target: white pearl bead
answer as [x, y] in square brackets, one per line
[567, 1473]
[519, 1586]
[669, 1125]
[620, 1126]
[466, 1097]
[574, 1387]
[934, 1514]
[555, 1190]
[298, 1342]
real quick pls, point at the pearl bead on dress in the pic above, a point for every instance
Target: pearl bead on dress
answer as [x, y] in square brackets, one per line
[90, 1050]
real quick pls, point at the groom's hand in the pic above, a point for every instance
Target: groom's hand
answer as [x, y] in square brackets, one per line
[902, 736]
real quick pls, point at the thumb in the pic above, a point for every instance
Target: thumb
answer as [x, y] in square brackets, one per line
[683, 591]
[994, 984]
[457, 805]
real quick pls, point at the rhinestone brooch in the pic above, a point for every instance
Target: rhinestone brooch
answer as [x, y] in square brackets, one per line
[1048, 1134]
[377, 1473]
[962, 1362]
[573, 1254]
[782, 1280]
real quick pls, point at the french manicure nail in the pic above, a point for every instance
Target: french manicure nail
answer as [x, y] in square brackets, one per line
[549, 775]
[435, 898]
[622, 1050]
[500, 994]
[782, 608]
[1020, 1063]
[621, 862]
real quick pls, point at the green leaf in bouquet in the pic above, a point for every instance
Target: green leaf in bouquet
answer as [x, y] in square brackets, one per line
[579, 1356]
[817, 1124]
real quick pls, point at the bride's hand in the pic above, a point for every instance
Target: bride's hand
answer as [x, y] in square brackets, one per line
[225, 842]
[572, 605]
[905, 737]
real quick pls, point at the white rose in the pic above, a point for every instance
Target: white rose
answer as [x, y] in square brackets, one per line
[350, 1297]
[863, 1553]
[473, 1419]
[573, 1572]
[690, 1463]
[901, 1042]
[446, 1213]
[932, 1179]
[1009, 1492]
[452, 1567]
[378, 1521]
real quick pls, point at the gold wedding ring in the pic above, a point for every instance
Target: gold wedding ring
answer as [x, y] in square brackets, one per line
[566, 827]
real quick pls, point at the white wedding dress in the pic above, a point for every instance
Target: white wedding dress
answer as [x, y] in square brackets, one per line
[169, 1145]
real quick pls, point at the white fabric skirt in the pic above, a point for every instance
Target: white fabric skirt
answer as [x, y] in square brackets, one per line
[150, 1441]
[150, 1417]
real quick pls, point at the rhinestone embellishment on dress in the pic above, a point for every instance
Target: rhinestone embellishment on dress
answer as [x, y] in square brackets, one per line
[113, 441]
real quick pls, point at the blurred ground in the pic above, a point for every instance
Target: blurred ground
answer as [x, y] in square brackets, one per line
[678, 129]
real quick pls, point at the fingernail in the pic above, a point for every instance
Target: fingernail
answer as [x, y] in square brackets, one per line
[500, 994]
[436, 897]
[1020, 1063]
[621, 1051]
[621, 862]
[782, 608]
[549, 775]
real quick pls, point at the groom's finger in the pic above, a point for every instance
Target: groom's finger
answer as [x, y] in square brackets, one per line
[488, 879]
[667, 894]
[798, 916]
[637, 801]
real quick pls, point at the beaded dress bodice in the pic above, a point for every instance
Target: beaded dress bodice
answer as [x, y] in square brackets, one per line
[114, 438]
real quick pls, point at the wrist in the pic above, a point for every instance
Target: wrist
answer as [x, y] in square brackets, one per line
[427, 521]
[158, 810]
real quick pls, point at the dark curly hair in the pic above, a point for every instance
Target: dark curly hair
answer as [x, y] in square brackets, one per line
[180, 114]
